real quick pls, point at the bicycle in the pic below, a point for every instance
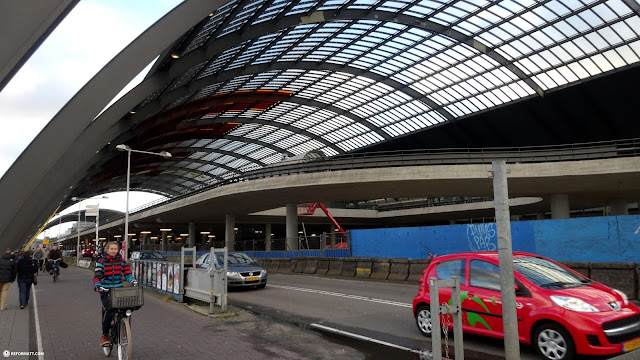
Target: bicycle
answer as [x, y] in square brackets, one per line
[122, 302]
[55, 270]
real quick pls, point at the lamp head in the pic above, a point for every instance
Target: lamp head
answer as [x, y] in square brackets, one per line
[123, 147]
[165, 154]
[75, 199]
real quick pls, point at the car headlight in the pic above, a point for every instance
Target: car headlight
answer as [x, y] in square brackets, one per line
[625, 299]
[263, 272]
[233, 274]
[571, 303]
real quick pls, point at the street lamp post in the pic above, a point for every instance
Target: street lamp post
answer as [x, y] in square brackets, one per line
[123, 147]
[79, 199]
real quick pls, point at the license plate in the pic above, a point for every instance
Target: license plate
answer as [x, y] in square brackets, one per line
[631, 345]
[254, 278]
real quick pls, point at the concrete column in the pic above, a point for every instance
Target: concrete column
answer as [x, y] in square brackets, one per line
[165, 242]
[619, 207]
[292, 227]
[229, 233]
[332, 235]
[267, 237]
[192, 235]
[560, 206]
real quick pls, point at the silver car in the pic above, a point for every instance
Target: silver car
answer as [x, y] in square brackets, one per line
[241, 269]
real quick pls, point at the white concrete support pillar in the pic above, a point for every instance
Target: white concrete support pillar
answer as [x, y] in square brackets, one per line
[229, 232]
[267, 237]
[332, 235]
[560, 206]
[192, 235]
[165, 241]
[619, 207]
[292, 226]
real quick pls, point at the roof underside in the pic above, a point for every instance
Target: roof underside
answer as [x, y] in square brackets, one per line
[257, 81]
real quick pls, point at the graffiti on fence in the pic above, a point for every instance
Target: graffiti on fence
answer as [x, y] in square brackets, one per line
[482, 237]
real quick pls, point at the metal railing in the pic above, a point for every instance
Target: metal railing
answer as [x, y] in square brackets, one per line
[452, 156]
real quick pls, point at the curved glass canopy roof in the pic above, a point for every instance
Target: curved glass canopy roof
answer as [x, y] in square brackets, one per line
[259, 81]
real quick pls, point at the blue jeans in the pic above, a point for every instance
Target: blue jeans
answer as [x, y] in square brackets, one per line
[24, 288]
[55, 265]
[108, 316]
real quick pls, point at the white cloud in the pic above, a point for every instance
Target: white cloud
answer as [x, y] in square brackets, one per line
[86, 40]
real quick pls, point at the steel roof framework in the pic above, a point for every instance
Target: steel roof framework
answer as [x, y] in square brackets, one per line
[362, 72]
[357, 73]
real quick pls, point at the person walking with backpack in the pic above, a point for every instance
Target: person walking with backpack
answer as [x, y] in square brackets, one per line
[8, 273]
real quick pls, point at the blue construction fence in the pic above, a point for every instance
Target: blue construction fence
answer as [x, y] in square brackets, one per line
[278, 254]
[592, 239]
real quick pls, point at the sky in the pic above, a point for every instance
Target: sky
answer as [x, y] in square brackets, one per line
[75, 51]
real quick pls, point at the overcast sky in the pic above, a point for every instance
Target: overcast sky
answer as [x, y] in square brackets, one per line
[91, 35]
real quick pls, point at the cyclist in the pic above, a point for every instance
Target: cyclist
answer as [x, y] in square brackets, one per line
[38, 256]
[54, 254]
[108, 274]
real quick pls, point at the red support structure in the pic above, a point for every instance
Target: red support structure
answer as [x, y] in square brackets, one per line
[310, 209]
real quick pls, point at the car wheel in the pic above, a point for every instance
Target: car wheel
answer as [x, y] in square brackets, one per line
[423, 319]
[553, 342]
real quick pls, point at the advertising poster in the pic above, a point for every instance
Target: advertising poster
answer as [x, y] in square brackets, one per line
[163, 276]
[176, 278]
[170, 277]
[158, 276]
[154, 278]
[147, 269]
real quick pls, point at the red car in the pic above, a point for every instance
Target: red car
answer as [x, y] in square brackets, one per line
[87, 253]
[560, 312]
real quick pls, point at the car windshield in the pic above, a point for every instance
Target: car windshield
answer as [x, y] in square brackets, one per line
[547, 274]
[234, 258]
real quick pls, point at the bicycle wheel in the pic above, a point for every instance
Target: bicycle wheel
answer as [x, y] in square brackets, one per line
[124, 340]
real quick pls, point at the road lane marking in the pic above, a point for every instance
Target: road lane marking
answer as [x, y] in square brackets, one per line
[37, 321]
[361, 337]
[330, 293]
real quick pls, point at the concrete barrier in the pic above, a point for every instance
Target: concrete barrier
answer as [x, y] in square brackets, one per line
[580, 266]
[287, 265]
[416, 268]
[311, 266]
[399, 270]
[323, 266]
[348, 267]
[621, 276]
[380, 269]
[298, 264]
[335, 267]
[363, 268]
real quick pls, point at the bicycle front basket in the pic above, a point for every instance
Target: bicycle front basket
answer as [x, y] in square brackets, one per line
[126, 298]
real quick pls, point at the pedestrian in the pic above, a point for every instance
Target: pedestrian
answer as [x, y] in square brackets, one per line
[8, 273]
[26, 271]
[38, 256]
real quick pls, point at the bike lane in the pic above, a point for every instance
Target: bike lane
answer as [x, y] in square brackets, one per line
[69, 319]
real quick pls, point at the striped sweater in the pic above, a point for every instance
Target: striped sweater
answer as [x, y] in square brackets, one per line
[110, 270]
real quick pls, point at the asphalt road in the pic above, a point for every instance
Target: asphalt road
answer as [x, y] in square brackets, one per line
[378, 310]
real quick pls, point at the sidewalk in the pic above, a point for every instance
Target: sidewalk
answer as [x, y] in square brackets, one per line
[69, 315]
